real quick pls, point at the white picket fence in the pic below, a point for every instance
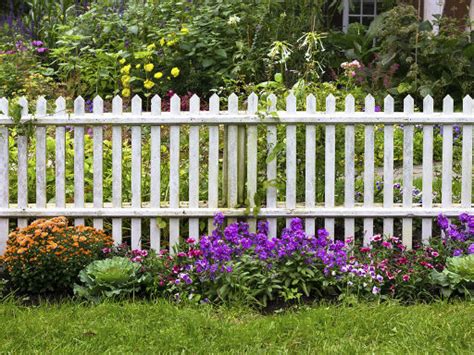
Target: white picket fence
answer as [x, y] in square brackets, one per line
[240, 136]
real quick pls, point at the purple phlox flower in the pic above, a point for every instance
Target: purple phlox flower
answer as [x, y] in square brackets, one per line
[470, 249]
[464, 217]
[219, 219]
[457, 252]
[375, 290]
[443, 222]
[37, 43]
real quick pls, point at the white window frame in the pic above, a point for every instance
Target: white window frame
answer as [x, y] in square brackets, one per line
[346, 13]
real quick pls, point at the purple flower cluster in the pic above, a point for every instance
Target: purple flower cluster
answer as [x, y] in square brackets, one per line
[462, 234]
[226, 244]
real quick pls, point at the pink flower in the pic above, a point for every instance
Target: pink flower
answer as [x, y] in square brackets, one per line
[435, 254]
[106, 250]
[190, 241]
[377, 238]
[406, 277]
[181, 254]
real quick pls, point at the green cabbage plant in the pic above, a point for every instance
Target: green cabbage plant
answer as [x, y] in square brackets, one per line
[117, 277]
[458, 276]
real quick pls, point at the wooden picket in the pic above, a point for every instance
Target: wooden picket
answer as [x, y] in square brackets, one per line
[238, 165]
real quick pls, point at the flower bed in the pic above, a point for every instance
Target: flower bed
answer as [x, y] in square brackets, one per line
[235, 265]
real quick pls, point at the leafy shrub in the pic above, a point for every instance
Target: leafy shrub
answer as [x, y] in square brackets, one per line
[47, 255]
[110, 278]
[22, 72]
[457, 277]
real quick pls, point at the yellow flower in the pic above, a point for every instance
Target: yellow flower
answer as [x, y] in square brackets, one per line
[125, 80]
[162, 41]
[184, 30]
[158, 75]
[122, 61]
[148, 84]
[171, 42]
[126, 69]
[126, 92]
[150, 47]
[148, 67]
[138, 66]
[175, 72]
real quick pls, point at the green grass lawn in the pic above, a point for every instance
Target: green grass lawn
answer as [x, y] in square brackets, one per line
[162, 327]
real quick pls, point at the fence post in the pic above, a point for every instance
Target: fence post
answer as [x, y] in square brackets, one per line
[4, 176]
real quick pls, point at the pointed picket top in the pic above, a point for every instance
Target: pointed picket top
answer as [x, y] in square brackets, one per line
[428, 104]
[137, 105]
[233, 104]
[41, 106]
[291, 102]
[175, 104]
[79, 107]
[467, 105]
[369, 104]
[408, 104]
[311, 103]
[272, 103]
[330, 104]
[98, 105]
[349, 103]
[117, 105]
[23, 102]
[60, 104]
[252, 103]
[4, 106]
[194, 104]
[448, 104]
[388, 104]
[156, 105]
[214, 103]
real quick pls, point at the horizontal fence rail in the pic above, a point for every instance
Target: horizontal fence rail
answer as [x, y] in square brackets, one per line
[152, 177]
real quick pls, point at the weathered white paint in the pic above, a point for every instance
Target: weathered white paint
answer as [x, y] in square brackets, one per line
[117, 170]
[79, 110]
[174, 171]
[41, 155]
[4, 176]
[252, 159]
[194, 168]
[213, 178]
[129, 119]
[388, 166]
[310, 165]
[466, 179]
[369, 167]
[330, 165]
[98, 139]
[408, 131]
[155, 174]
[272, 167]
[192, 210]
[290, 157]
[136, 173]
[60, 154]
[427, 192]
[349, 170]
[22, 145]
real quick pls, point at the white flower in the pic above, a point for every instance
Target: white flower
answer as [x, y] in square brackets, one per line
[233, 20]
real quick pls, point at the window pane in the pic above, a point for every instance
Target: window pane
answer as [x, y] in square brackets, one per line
[355, 7]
